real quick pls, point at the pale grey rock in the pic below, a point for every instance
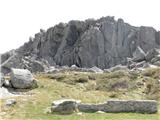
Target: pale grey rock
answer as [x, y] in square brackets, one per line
[151, 54]
[116, 68]
[111, 106]
[96, 70]
[10, 102]
[139, 55]
[67, 106]
[22, 79]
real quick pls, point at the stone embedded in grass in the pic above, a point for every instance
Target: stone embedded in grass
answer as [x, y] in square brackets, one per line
[66, 106]
[118, 106]
[10, 102]
[111, 106]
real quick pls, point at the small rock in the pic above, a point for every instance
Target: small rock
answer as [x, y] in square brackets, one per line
[10, 102]
[100, 112]
[96, 70]
[22, 79]
[7, 84]
[66, 106]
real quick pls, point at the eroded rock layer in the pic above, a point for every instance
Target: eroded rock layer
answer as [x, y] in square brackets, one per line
[103, 43]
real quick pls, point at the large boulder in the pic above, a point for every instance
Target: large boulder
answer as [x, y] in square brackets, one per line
[22, 79]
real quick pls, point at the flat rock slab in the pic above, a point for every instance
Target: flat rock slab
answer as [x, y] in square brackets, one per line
[117, 106]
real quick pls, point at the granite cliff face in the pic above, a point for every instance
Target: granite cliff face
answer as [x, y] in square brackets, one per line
[103, 43]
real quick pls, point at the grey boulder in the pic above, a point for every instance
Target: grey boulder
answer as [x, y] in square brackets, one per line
[67, 106]
[22, 79]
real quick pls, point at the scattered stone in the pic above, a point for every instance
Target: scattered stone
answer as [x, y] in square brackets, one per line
[151, 54]
[111, 106]
[22, 79]
[10, 102]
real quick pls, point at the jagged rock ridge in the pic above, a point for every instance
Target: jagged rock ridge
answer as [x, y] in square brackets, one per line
[103, 43]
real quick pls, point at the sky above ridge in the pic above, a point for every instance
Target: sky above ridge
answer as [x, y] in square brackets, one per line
[20, 19]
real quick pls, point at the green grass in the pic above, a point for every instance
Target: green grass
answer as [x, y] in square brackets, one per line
[67, 85]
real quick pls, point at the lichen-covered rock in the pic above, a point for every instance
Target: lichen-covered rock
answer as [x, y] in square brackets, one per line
[103, 43]
[22, 79]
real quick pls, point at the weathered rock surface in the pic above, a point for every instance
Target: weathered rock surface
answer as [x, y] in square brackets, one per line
[138, 55]
[103, 43]
[22, 79]
[111, 106]
[67, 106]
[140, 106]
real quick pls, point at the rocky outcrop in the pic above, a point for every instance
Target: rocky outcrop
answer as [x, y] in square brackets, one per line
[22, 79]
[103, 43]
[111, 106]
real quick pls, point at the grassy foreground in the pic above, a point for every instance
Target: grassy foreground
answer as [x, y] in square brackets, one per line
[87, 87]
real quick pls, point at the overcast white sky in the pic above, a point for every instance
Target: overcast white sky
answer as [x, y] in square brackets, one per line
[20, 19]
